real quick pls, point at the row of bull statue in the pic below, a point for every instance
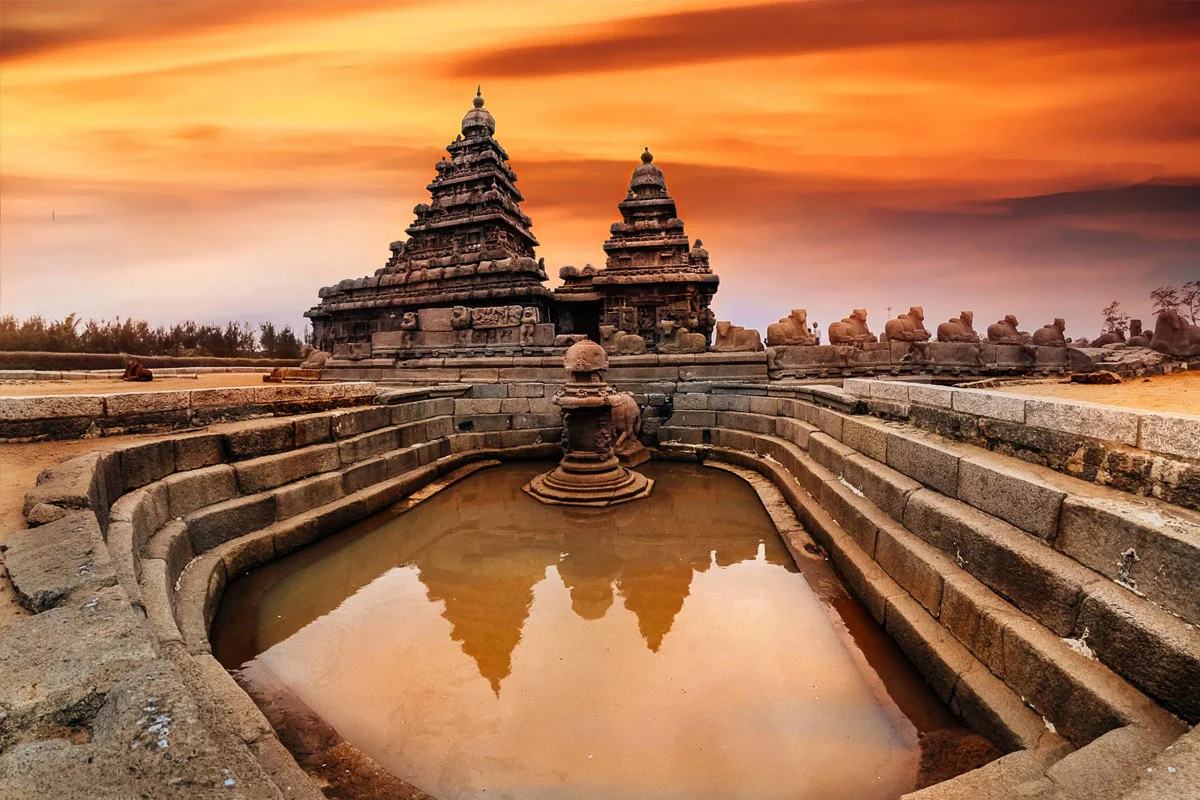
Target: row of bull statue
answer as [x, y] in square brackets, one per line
[1172, 334]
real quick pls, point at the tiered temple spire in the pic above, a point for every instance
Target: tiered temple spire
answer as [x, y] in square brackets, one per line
[470, 246]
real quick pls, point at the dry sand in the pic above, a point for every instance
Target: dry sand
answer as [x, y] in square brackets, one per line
[216, 380]
[1178, 392]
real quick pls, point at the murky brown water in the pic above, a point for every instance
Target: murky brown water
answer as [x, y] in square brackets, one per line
[482, 644]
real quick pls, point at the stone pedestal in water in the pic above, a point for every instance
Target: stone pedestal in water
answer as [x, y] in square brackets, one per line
[590, 473]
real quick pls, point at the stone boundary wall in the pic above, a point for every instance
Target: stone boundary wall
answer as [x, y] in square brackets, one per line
[993, 577]
[1149, 453]
[94, 374]
[86, 415]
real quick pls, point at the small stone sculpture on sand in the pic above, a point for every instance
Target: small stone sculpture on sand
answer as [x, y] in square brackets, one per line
[1005, 332]
[959, 329]
[852, 330]
[134, 371]
[1175, 336]
[734, 338]
[908, 327]
[674, 338]
[312, 357]
[617, 342]
[791, 330]
[1051, 335]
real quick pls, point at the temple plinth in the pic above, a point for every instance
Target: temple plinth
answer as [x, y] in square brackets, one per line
[590, 473]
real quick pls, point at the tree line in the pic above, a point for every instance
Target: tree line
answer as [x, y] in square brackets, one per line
[137, 337]
[1183, 299]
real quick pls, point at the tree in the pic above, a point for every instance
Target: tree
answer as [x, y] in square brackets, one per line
[1184, 299]
[1115, 319]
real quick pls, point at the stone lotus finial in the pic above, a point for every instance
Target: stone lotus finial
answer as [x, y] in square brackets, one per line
[647, 156]
[478, 101]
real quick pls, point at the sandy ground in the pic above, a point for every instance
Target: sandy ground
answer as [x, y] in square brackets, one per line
[1178, 392]
[217, 380]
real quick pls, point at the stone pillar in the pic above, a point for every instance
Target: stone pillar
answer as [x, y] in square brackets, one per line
[590, 473]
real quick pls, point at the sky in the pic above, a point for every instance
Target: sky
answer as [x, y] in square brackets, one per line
[223, 159]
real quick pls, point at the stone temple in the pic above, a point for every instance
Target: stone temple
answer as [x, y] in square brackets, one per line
[467, 280]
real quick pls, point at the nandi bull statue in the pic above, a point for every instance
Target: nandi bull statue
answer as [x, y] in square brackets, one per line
[674, 338]
[791, 330]
[616, 342]
[907, 327]
[734, 338]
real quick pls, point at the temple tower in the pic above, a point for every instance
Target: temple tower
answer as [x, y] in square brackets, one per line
[651, 273]
[469, 247]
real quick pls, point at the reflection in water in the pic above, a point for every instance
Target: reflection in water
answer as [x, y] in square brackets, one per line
[482, 644]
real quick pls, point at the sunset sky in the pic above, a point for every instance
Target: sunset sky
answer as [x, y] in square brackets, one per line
[224, 159]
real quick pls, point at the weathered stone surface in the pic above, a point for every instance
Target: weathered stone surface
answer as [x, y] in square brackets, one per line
[68, 485]
[930, 395]
[983, 403]
[219, 523]
[353, 422]
[826, 451]
[994, 485]
[158, 600]
[364, 474]
[865, 437]
[882, 485]
[67, 405]
[1084, 419]
[374, 443]
[267, 472]
[260, 439]
[58, 665]
[987, 705]
[896, 391]
[200, 588]
[194, 489]
[172, 545]
[59, 562]
[1035, 578]
[977, 617]
[305, 495]
[931, 648]
[1149, 647]
[1176, 434]
[144, 463]
[145, 403]
[1106, 767]
[1174, 774]
[994, 781]
[923, 458]
[1152, 549]
[913, 564]
[312, 430]
[856, 516]
[146, 509]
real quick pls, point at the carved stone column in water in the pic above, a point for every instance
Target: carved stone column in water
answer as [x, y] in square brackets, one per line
[589, 474]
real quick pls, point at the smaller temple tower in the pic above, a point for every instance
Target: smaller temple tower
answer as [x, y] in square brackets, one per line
[651, 274]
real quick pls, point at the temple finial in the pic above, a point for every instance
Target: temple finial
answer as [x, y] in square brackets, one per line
[479, 96]
[647, 156]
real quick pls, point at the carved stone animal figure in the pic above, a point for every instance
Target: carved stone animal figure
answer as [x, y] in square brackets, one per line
[958, 329]
[734, 338]
[852, 330]
[460, 318]
[616, 342]
[908, 327]
[409, 323]
[313, 358]
[626, 418]
[1137, 336]
[1005, 332]
[791, 330]
[1051, 335]
[134, 371]
[1175, 336]
[674, 338]
[1112, 337]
